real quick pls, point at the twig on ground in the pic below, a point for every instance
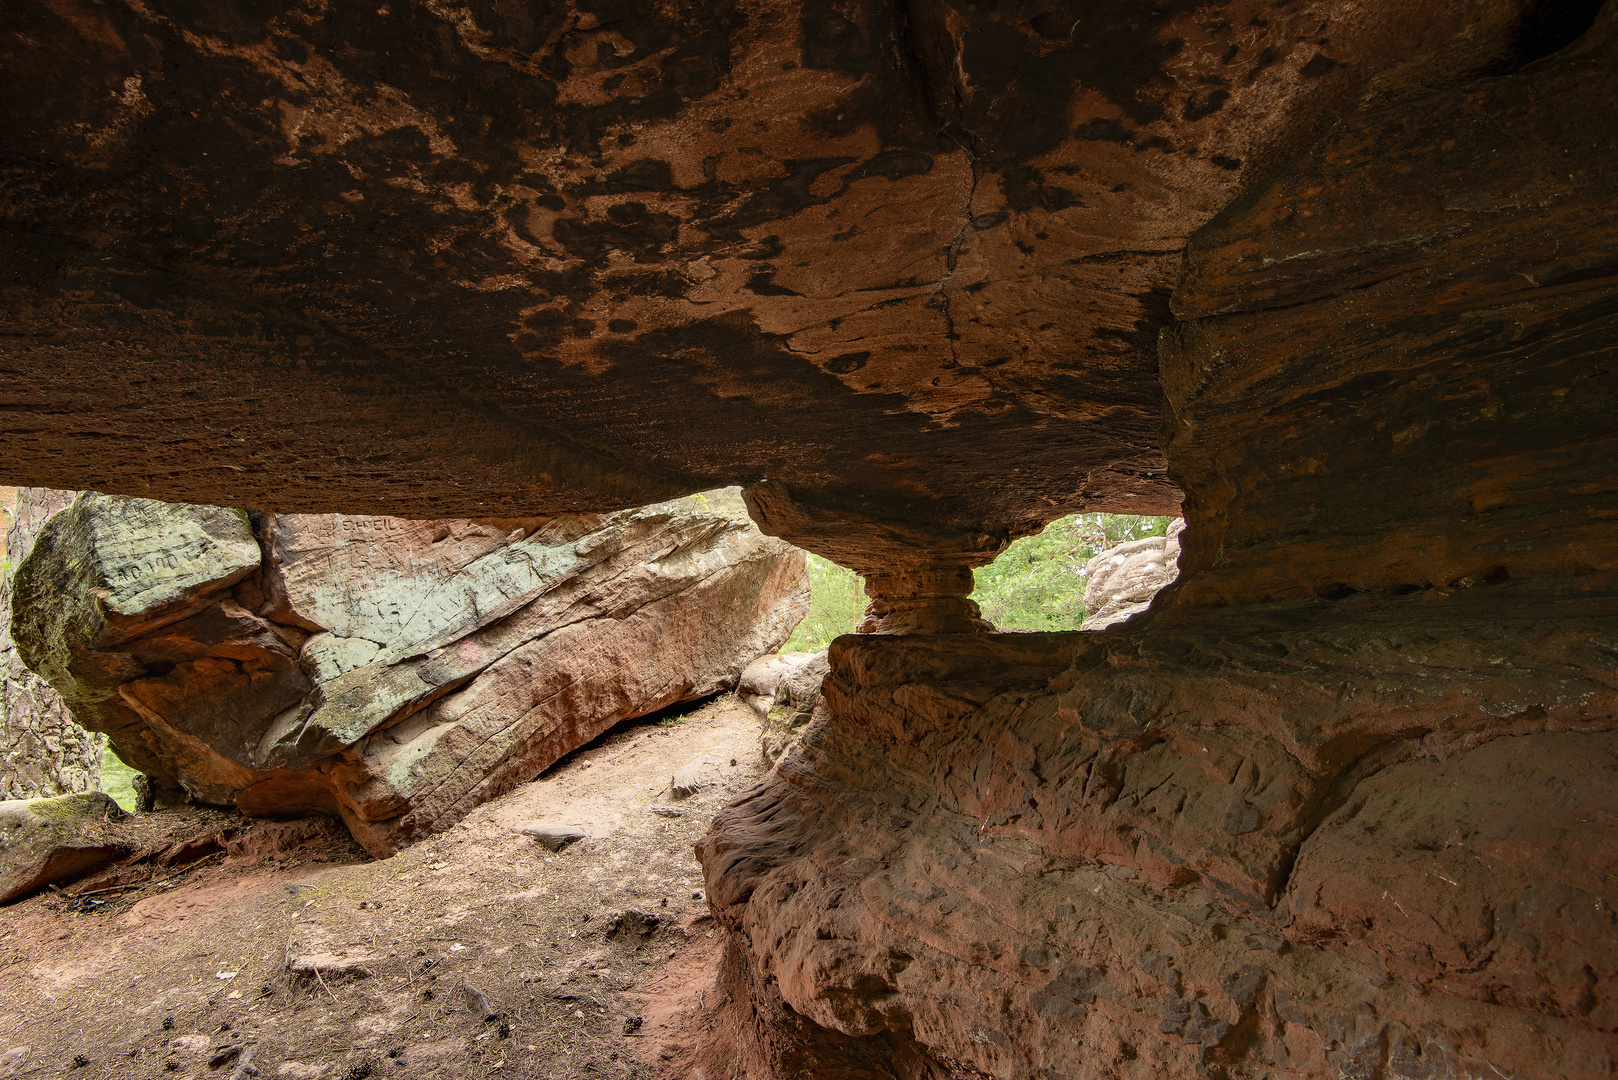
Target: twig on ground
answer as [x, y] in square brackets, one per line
[120, 888]
[481, 1000]
[326, 988]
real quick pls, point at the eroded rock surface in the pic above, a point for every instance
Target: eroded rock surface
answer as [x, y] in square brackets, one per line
[43, 841]
[924, 277]
[1345, 802]
[396, 672]
[791, 708]
[908, 260]
[762, 678]
[1121, 581]
[43, 751]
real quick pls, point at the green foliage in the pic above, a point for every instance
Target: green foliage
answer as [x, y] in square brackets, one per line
[1038, 582]
[836, 605]
[118, 780]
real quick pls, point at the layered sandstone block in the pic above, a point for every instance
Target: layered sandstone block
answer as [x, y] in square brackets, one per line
[396, 672]
[995, 858]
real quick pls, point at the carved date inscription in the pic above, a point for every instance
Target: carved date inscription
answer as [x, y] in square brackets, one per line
[156, 563]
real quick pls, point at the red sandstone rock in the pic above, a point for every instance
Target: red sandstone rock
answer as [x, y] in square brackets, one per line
[910, 260]
[1344, 803]
[396, 672]
[911, 266]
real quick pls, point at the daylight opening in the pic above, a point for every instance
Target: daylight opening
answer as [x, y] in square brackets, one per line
[1086, 571]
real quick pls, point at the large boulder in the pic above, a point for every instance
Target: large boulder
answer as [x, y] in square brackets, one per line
[48, 840]
[1122, 580]
[43, 752]
[394, 672]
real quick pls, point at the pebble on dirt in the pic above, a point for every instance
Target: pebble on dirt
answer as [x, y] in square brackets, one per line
[554, 837]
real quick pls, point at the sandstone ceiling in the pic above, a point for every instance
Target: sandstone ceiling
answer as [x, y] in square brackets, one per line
[907, 261]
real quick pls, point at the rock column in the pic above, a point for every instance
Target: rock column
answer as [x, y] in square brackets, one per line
[918, 578]
[922, 600]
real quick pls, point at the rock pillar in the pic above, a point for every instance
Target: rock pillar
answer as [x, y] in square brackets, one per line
[922, 600]
[918, 578]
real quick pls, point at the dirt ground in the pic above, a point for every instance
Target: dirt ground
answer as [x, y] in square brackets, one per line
[475, 953]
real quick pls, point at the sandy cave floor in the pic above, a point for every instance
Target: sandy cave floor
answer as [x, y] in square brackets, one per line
[141, 987]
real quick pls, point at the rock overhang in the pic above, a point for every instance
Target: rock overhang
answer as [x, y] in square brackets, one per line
[908, 261]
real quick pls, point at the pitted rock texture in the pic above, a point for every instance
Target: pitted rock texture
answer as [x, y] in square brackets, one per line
[1344, 801]
[1121, 581]
[908, 259]
[395, 672]
[43, 751]
[993, 855]
[925, 276]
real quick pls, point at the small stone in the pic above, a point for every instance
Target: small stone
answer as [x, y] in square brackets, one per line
[553, 837]
[692, 778]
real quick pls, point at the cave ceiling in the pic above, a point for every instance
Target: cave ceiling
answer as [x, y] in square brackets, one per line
[907, 262]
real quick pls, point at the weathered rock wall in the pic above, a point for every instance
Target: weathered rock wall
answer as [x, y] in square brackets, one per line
[43, 752]
[1346, 803]
[395, 672]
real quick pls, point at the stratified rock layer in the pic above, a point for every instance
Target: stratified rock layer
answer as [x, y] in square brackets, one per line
[1122, 581]
[996, 855]
[396, 672]
[909, 260]
[43, 751]
[905, 270]
[1345, 803]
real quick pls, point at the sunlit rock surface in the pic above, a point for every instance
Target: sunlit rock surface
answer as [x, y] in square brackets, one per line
[1121, 581]
[43, 751]
[396, 672]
